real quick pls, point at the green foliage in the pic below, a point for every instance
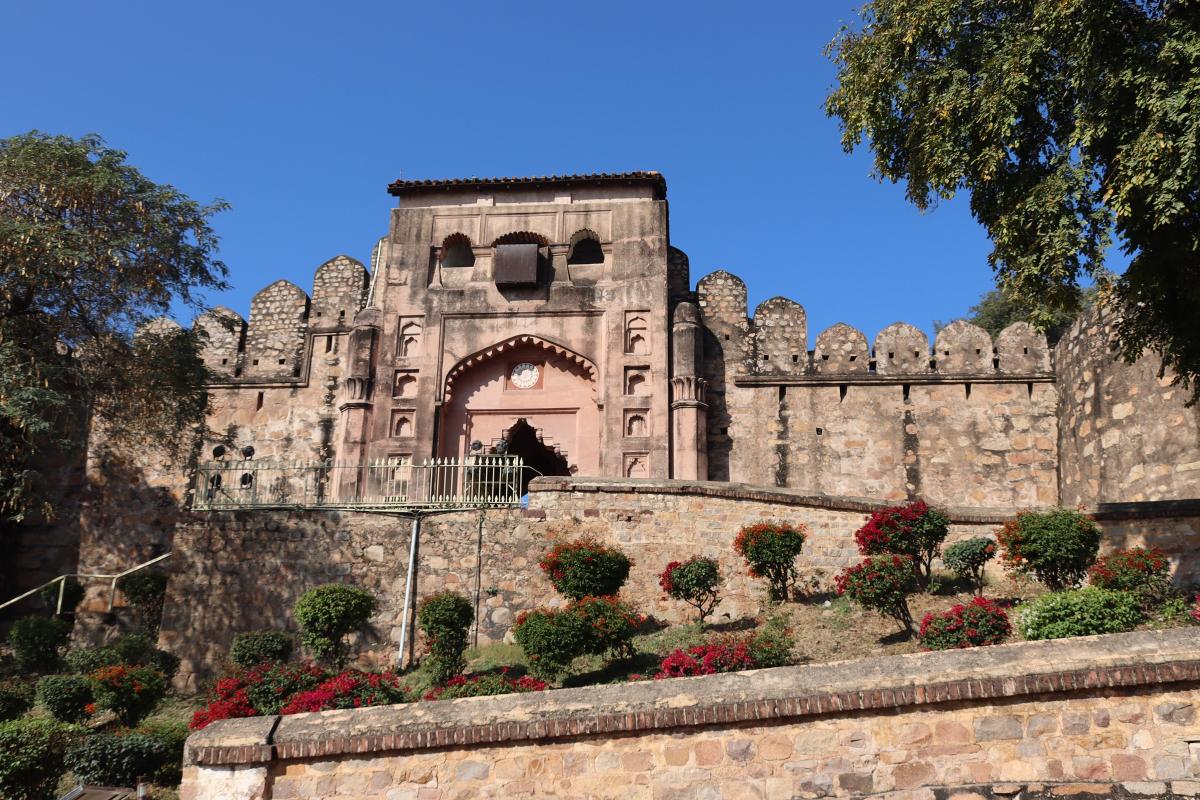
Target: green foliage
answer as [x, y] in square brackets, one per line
[31, 756]
[258, 647]
[136, 649]
[130, 692]
[696, 582]
[269, 686]
[1144, 572]
[995, 311]
[145, 591]
[770, 550]
[16, 697]
[65, 696]
[117, 759]
[772, 644]
[327, 614]
[171, 736]
[1079, 612]
[882, 583]
[91, 249]
[37, 641]
[72, 593]
[445, 618]
[611, 625]
[486, 685]
[1067, 123]
[974, 624]
[585, 568]
[968, 558]
[1057, 547]
[551, 640]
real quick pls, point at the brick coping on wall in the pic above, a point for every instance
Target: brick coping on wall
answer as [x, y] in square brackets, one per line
[1144, 658]
[721, 490]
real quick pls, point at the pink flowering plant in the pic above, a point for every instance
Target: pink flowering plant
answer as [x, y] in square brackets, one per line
[914, 530]
[585, 568]
[882, 583]
[696, 582]
[974, 624]
[484, 685]
[349, 689]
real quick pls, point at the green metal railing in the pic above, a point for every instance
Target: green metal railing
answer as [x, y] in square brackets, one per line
[486, 481]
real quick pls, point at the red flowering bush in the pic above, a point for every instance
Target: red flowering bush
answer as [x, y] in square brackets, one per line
[980, 622]
[707, 659]
[1144, 572]
[883, 584]
[584, 568]
[130, 692]
[485, 685]
[264, 689]
[349, 689]
[695, 582]
[552, 639]
[914, 530]
[770, 550]
[1057, 547]
[611, 625]
[1194, 613]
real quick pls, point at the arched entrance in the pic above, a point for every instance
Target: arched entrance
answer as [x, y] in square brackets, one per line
[537, 396]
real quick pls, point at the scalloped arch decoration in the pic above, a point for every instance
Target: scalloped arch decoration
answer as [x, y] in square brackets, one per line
[475, 359]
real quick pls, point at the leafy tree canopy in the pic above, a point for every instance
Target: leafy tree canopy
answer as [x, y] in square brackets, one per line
[1070, 123]
[90, 251]
[995, 311]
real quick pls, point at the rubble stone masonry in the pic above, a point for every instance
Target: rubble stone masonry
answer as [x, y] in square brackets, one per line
[1094, 717]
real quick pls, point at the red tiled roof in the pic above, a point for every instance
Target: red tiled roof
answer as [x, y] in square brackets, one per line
[410, 187]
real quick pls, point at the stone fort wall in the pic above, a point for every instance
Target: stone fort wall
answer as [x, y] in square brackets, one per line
[1110, 716]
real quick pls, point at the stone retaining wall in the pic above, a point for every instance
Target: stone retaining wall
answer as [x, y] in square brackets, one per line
[1101, 715]
[237, 571]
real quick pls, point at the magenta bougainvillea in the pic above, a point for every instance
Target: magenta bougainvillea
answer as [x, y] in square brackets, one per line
[914, 530]
[974, 624]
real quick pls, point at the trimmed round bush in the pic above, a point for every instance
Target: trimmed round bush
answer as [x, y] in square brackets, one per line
[770, 550]
[36, 642]
[445, 618]
[72, 593]
[261, 647]
[145, 591]
[967, 559]
[1079, 612]
[31, 756]
[585, 568]
[16, 697]
[610, 623]
[696, 582]
[914, 530]
[110, 759]
[1056, 547]
[327, 614]
[66, 697]
[130, 692]
[1144, 572]
[974, 624]
[551, 640]
[882, 584]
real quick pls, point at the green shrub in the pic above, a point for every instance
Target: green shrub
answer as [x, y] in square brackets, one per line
[16, 697]
[610, 623]
[31, 756]
[130, 692]
[135, 649]
[72, 593]
[327, 614]
[269, 686]
[1079, 612]
[1145, 573]
[117, 759]
[551, 640]
[967, 559]
[771, 645]
[65, 696]
[914, 530]
[172, 736]
[445, 618]
[145, 591]
[770, 550]
[1056, 547]
[37, 641]
[980, 622]
[695, 582]
[585, 568]
[260, 647]
[883, 584]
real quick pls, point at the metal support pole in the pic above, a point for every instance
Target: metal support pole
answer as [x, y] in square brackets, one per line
[62, 585]
[408, 585]
[478, 575]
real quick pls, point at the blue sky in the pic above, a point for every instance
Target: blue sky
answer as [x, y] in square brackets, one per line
[299, 114]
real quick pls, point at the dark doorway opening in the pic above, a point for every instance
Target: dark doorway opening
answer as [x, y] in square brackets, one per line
[524, 440]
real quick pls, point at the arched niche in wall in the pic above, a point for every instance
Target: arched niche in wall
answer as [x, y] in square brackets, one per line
[457, 251]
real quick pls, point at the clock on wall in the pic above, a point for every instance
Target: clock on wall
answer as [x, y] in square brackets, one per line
[524, 375]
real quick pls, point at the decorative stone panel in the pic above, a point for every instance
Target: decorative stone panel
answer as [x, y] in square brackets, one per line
[841, 349]
[962, 348]
[901, 349]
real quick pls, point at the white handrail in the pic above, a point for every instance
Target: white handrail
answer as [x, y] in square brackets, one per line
[62, 583]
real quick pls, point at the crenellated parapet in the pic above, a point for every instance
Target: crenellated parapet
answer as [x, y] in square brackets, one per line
[841, 349]
[224, 336]
[779, 338]
[339, 292]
